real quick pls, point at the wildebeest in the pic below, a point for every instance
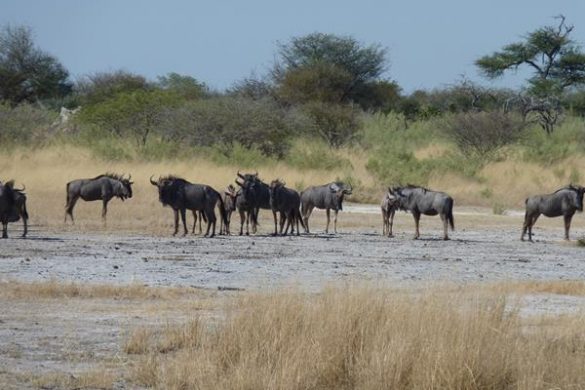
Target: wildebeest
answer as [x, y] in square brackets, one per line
[182, 195]
[328, 196]
[229, 198]
[388, 207]
[564, 201]
[103, 187]
[253, 196]
[419, 200]
[12, 207]
[287, 202]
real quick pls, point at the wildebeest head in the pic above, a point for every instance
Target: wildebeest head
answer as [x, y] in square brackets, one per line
[339, 190]
[275, 185]
[232, 194]
[578, 199]
[169, 188]
[126, 189]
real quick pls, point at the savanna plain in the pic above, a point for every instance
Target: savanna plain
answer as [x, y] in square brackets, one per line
[125, 305]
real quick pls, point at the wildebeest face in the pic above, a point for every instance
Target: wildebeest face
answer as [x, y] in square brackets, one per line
[579, 198]
[126, 189]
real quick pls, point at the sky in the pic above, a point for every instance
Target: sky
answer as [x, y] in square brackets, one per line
[431, 44]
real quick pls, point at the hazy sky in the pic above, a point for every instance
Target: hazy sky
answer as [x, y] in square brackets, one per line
[430, 43]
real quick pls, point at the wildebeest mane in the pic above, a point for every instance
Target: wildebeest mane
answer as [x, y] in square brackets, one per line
[174, 178]
[110, 175]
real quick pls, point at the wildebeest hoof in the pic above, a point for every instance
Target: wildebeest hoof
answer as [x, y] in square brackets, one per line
[446, 238]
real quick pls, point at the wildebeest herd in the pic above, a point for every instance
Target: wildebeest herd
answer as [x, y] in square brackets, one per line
[290, 209]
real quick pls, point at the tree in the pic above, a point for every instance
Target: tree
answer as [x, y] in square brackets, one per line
[186, 86]
[557, 64]
[328, 68]
[28, 74]
[99, 87]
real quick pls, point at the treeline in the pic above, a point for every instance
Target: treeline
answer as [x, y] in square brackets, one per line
[326, 89]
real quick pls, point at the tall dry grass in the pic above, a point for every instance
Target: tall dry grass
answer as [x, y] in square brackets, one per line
[366, 338]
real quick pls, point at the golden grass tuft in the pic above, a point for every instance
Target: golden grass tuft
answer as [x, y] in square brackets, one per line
[55, 289]
[367, 338]
[95, 379]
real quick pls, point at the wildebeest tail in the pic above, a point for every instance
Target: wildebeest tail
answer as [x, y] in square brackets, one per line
[300, 217]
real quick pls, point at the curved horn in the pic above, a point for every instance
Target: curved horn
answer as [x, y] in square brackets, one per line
[240, 175]
[129, 177]
[238, 183]
[153, 182]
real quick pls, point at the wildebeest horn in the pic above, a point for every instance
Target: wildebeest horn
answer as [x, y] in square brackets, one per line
[240, 175]
[238, 183]
[153, 182]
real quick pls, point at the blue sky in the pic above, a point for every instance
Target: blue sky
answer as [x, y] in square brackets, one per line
[430, 43]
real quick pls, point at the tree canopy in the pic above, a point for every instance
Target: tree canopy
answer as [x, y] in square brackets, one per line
[28, 74]
[555, 59]
[329, 68]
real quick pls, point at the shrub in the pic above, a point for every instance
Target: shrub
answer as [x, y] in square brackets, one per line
[24, 125]
[482, 134]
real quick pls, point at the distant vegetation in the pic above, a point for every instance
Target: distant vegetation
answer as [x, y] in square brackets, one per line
[324, 94]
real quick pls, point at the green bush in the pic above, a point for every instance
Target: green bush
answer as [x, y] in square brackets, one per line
[314, 154]
[568, 139]
[25, 124]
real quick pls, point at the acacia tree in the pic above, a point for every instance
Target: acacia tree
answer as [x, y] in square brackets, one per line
[27, 73]
[557, 63]
[328, 68]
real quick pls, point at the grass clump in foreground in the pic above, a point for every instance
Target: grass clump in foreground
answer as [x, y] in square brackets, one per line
[364, 338]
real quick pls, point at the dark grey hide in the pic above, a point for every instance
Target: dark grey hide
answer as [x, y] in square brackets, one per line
[253, 196]
[7, 205]
[103, 187]
[419, 201]
[328, 196]
[388, 207]
[182, 195]
[287, 202]
[565, 201]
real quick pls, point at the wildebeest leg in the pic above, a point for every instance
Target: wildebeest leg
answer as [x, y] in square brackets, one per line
[176, 222]
[281, 224]
[296, 217]
[211, 222]
[567, 219]
[531, 224]
[25, 221]
[194, 222]
[390, 223]
[306, 213]
[4, 229]
[384, 222]
[242, 218]
[69, 208]
[276, 223]
[184, 220]
[416, 216]
[445, 224]
[335, 221]
[105, 209]
[328, 212]
[527, 219]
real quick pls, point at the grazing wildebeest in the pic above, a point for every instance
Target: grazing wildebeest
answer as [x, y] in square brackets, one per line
[328, 196]
[229, 197]
[287, 202]
[419, 200]
[182, 195]
[254, 195]
[103, 187]
[564, 201]
[388, 207]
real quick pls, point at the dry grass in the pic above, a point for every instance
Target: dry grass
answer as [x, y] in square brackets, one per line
[560, 287]
[95, 379]
[56, 290]
[368, 338]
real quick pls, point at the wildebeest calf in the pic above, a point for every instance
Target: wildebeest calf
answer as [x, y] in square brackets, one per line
[388, 207]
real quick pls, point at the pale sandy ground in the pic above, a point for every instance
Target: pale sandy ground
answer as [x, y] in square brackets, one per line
[73, 336]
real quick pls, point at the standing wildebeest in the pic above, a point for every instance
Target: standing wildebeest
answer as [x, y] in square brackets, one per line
[388, 207]
[328, 197]
[103, 187]
[254, 195]
[287, 202]
[182, 195]
[229, 197]
[564, 201]
[419, 200]
[12, 207]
